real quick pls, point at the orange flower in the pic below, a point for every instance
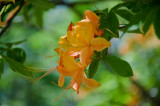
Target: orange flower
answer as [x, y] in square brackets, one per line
[69, 67]
[95, 21]
[81, 39]
[75, 51]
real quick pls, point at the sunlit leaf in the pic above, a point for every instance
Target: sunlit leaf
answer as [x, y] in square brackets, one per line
[16, 66]
[118, 66]
[124, 13]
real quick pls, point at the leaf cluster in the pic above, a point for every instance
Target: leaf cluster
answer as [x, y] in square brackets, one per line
[14, 57]
[139, 13]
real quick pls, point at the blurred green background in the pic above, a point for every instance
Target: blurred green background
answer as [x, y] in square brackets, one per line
[142, 53]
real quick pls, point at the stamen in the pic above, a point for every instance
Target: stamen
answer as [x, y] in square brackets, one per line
[35, 80]
[60, 86]
[47, 57]
[60, 95]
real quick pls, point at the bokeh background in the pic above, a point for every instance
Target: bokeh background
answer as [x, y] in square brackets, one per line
[143, 54]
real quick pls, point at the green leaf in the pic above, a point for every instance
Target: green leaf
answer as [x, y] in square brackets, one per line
[118, 66]
[156, 23]
[1, 66]
[17, 54]
[25, 11]
[127, 15]
[93, 68]
[42, 4]
[149, 19]
[135, 20]
[110, 24]
[38, 13]
[9, 45]
[129, 5]
[16, 66]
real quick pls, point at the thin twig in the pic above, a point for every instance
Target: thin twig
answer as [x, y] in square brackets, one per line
[11, 19]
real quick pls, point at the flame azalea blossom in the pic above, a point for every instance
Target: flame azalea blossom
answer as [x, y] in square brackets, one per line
[81, 39]
[80, 42]
[75, 51]
[69, 67]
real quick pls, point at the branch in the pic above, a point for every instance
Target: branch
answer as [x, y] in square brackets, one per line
[8, 23]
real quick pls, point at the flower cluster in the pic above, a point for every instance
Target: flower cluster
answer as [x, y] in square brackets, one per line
[76, 49]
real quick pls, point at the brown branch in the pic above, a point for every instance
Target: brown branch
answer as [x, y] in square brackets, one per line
[8, 23]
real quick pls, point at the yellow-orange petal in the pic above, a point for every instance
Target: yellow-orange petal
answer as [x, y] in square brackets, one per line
[85, 31]
[85, 55]
[64, 43]
[72, 37]
[59, 51]
[61, 80]
[91, 83]
[69, 62]
[72, 53]
[99, 44]
[78, 81]
[92, 17]
[66, 72]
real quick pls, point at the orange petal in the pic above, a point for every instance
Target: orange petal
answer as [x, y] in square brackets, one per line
[70, 27]
[99, 44]
[69, 62]
[72, 53]
[66, 72]
[85, 31]
[85, 54]
[64, 43]
[67, 65]
[61, 80]
[72, 37]
[78, 81]
[91, 83]
[92, 17]
[59, 51]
